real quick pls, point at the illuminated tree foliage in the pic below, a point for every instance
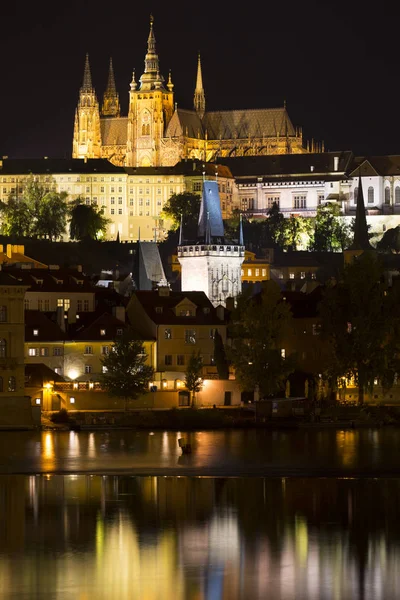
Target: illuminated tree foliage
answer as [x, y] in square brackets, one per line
[185, 204]
[360, 321]
[127, 375]
[38, 211]
[193, 377]
[331, 233]
[258, 325]
[87, 222]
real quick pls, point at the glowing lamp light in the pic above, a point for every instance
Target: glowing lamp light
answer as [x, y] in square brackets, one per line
[91, 385]
[47, 386]
[73, 374]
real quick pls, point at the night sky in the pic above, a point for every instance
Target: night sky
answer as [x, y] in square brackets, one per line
[336, 66]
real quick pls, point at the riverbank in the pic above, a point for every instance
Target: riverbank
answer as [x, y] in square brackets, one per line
[220, 418]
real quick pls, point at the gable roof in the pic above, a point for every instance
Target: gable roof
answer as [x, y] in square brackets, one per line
[151, 300]
[376, 165]
[250, 123]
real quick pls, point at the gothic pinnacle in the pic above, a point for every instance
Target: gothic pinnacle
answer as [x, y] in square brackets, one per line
[87, 78]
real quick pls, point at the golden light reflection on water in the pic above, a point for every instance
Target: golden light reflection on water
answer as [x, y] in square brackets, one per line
[346, 447]
[149, 538]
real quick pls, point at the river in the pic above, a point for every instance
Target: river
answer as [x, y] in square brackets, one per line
[252, 514]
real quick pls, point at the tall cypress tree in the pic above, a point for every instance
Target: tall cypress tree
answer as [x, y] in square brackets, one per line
[220, 359]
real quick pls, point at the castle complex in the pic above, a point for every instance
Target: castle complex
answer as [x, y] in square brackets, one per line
[157, 133]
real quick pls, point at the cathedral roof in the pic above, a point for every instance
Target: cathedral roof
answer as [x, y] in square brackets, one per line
[185, 122]
[262, 122]
[376, 165]
[114, 131]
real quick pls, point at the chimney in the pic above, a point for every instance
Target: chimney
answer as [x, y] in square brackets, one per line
[119, 313]
[71, 315]
[335, 163]
[61, 317]
[220, 312]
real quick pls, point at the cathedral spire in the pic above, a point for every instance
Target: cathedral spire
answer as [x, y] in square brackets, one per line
[111, 106]
[361, 239]
[87, 78]
[151, 78]
[199, 97]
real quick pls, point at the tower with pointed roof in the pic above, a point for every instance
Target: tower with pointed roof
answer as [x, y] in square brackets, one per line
[111, 107]
[151, 105]
[361, 239]
[211, 263]
[87, 138]
[199, 100]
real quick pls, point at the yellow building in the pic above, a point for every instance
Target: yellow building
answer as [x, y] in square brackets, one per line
[15, 411]
[158, 133]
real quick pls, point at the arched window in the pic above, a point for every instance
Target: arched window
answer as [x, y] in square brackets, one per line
[1, 384]
[387, 195]
[3, 314]
[3, 348]
[397, 195]
[147, 129]
[12, 384]
[143, 129]
[370, 195]
[355, 195]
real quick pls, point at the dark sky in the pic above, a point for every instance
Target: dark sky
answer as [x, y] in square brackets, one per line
[337, 66]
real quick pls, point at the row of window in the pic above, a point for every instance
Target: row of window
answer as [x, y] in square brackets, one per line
[78, 179]
[180, 360]
[190, 335]
[249, 272]
[44, 305]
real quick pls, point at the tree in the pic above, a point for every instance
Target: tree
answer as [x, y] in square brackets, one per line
[185, 204]
[220, 359]
[127, 375]
[193, 377]
[276, 226]
[331, 233]
[87, 222]
[258, 323]
[360, 321]
[39, 211]
[390, 241]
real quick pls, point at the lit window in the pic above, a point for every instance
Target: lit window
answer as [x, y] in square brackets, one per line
[102, 332]
[12, 383]
[291, 275]
[44, 351]
[88, 349]
[190, 336]
[257, 272]
[302, 275]
[249, 272]
[212, 333]
[37, 400]
[72, 400]
[283, 353]
[33, 352]
[167, 334]
[36, 332]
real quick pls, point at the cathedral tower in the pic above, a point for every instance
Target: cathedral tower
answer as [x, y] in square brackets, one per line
[110, 106]
[211, 263]
[199, 97]
[87, 139]
[150, 110]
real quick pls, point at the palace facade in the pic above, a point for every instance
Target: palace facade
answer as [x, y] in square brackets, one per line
[157, 133]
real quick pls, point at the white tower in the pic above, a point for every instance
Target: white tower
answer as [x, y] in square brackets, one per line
[211, 263]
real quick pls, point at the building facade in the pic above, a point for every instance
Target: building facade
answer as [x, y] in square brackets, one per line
[156, 133]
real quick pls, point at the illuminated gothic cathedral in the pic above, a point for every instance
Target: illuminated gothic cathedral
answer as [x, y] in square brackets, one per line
[157, 133]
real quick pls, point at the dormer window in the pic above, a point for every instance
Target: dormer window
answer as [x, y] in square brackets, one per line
[206, 310]
[102, 332]
[36, 332]
[186, 313]
[159, 309]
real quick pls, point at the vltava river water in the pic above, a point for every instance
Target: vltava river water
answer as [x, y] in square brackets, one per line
[102, 531]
